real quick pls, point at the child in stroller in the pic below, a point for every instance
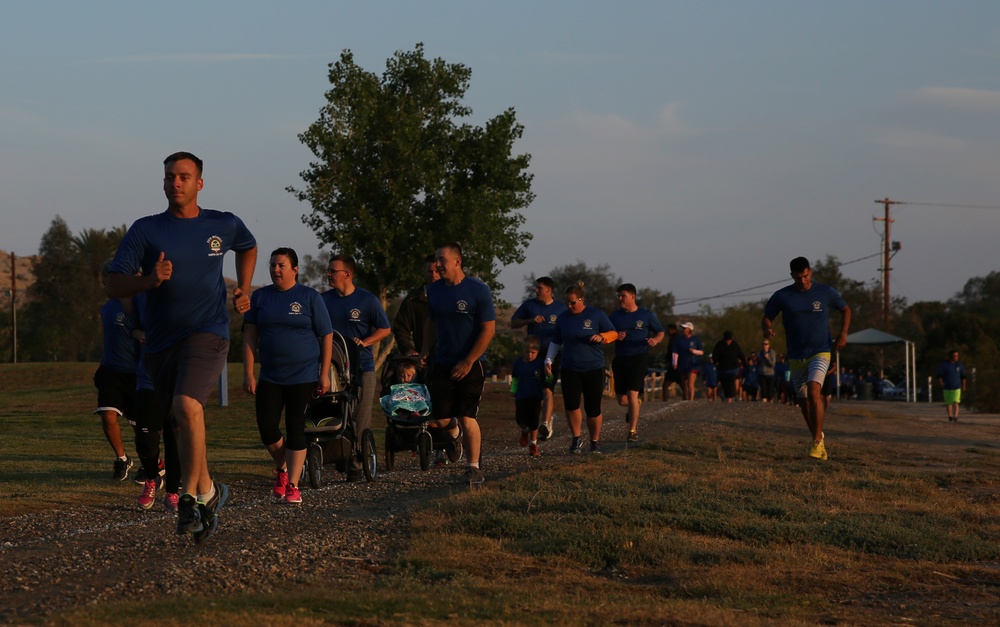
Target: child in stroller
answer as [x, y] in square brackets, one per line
[406, 403]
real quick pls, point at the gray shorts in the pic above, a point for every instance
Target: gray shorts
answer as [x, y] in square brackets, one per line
[190, 367]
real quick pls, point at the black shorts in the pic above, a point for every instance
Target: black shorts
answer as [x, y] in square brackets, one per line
[191, 367]
[589, 385]
[527, 413]
[630, 373]
[115, 391]
[452, 399]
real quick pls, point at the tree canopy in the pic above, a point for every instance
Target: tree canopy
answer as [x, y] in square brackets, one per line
[397, 173]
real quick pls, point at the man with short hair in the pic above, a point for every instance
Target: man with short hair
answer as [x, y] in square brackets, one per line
[805, 308]
[539, 316]
[358, 316]
[180, 255]
[638, 331]
[951, 375]
[768, 359]
[408, 325]
[461, 313]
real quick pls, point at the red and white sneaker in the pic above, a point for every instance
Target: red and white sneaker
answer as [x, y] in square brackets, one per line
[149, 489]
[533, 450]
[170, 500]
[280, 483]
[292, 496]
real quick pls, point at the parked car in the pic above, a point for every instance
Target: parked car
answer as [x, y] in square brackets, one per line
[892, 392]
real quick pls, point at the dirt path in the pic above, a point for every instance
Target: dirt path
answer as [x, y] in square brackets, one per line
[110, 551]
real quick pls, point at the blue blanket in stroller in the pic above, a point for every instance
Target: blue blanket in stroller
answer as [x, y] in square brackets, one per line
[406, 399]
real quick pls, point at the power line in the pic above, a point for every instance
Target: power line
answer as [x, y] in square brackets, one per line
[941, 204]
[757, 287]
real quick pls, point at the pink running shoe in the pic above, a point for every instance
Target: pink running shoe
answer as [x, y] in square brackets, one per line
[149, 490]
[170, 500]
[292, 496]
[280, 483]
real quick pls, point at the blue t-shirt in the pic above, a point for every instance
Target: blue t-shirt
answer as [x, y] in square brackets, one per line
[458, 312]
[806, 318]
[710, 375]
[289, 325]
[143, 380]
[530, 377]
[952, 372]
[120, 349]
[686, 360]
[530, 309]
[357, 315]
[194, 299]
[573, 332]
[639, 326]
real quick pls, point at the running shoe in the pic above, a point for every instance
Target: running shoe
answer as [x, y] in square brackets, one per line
[474, 476]
[355, 476]
[140, 475]
[575, 447]
[292, 496]
[122, 466]
[454, 450]
[524, 439]
[210, 512]
[440, 459]
[550, 427]
[633, 436]
[170, 500]
[533, 449]
[818, 450]
[149, 490]
[543, 431]
[280, 483]
[595, 446]
[188, 516]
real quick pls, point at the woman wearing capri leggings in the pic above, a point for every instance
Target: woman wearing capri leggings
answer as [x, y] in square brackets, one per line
[580, 334]
[289, 328]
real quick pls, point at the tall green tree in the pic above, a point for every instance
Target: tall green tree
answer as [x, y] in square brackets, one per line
[397, 173]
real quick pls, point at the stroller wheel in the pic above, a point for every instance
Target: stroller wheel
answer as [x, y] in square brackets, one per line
[314, 466]
[369, 455]
[424, 449]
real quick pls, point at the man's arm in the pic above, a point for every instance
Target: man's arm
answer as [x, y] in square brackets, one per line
[246, 262]
[845, 322]
[402, 328]
[520, 323]
[486, 332]
[765, 327]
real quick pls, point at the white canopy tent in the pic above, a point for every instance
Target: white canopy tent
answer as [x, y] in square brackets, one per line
[874, 337]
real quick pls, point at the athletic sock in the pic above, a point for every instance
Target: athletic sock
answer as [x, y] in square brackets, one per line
[474, 465]
[205, 498]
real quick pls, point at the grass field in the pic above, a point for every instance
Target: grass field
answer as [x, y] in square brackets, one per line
[694, 527]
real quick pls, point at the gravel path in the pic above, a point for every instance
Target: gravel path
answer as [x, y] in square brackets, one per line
[111, 551]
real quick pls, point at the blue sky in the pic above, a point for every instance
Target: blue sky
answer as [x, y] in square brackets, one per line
[695, 147]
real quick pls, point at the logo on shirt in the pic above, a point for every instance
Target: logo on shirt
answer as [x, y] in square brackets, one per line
[552, 319]
[638, 324]
[817, 306]
[462, 306]
[587, 324]
[355, 314]
[295, 309]
[215, 246]
[120, 319]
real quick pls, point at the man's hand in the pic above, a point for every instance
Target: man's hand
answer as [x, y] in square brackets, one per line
[241, 301]
[460, 369]
[163, 269]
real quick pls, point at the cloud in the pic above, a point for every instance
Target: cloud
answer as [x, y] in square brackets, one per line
[958, 97]
[614, 128]
[193, 57]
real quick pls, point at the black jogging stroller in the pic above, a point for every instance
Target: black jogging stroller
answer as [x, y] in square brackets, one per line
[331, 420]
[407, 408]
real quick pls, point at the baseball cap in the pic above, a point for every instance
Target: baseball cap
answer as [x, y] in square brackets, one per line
[687, 325]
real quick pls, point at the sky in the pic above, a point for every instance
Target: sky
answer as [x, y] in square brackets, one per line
[695, 147]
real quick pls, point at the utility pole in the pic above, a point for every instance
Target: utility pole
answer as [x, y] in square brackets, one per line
[888, 247]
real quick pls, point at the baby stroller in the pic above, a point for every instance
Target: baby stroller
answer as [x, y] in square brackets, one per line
[331, 420]
[407, 409]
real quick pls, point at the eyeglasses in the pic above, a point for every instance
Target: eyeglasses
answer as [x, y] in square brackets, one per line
[572, 302]
[336, 271]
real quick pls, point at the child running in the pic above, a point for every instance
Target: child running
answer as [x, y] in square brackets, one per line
[528, 387]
